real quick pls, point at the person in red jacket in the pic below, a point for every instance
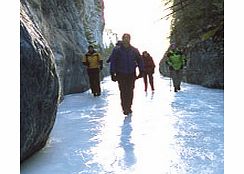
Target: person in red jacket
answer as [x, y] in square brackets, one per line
[149, 67]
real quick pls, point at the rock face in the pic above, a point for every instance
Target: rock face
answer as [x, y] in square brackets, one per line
[69, 27]
[54, 36]
[198, 28]
[206, 65]
[39, 88]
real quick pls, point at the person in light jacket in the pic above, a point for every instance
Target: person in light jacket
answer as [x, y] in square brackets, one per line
[176, 61]
[94, 63]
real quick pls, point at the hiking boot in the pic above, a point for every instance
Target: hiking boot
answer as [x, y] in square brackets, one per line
[178, 88]
[175, 89]
[127, 112]
[96, 94]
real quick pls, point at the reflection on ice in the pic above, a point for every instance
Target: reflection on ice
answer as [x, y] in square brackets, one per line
[125, 142]
[167, 133]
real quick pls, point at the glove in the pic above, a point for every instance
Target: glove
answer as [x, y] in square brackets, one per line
[171, 68]
[140, 75]
[108, 61]
[114, 77]
[101, 64]
[86, 63]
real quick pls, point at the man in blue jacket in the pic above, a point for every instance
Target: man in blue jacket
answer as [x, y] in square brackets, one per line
[124, 60]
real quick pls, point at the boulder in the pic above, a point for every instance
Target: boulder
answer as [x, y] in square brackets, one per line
[39, 89]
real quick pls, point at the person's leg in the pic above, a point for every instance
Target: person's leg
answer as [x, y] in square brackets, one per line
[174, 79]
[178, 78]
[90, 75]
[122, 88]
[130, 92]
[126, 86]
[151, 81]
[97, 87]
[145, 81]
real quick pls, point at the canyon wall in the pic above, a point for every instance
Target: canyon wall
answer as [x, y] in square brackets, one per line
[54, 36]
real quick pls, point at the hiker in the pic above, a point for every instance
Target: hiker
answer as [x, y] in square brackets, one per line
[116, 45]
[94, 63]
[124, 60]
[149, 67]
[176, 61]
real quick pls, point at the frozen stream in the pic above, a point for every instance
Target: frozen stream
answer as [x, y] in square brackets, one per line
[168, 133]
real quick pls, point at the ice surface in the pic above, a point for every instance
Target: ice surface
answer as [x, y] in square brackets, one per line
[167, 133]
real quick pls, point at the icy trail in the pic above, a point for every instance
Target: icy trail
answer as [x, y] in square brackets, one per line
[168, 133]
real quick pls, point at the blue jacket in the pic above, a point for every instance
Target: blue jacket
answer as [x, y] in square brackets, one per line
[125, 60]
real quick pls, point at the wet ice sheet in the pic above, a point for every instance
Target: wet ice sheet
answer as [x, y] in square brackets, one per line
[167, 133]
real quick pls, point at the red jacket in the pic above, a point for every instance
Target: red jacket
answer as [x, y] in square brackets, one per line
[149, 64]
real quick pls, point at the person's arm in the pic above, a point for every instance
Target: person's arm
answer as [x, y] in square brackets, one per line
[168, 62]
[108, 60]
[185, 59]
[85, 61]
[140, 64]
[112, 58]
[153, 64]
[168, 54]
[100, 61]
[101, 64]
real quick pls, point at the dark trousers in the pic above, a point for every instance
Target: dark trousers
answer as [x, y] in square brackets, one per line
[94, 80]
[150, 77]
[126, 86]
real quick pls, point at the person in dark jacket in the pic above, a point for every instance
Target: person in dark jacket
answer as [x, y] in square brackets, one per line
[116, 45]
[124, 61]
[94, 63]
[149, 67]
